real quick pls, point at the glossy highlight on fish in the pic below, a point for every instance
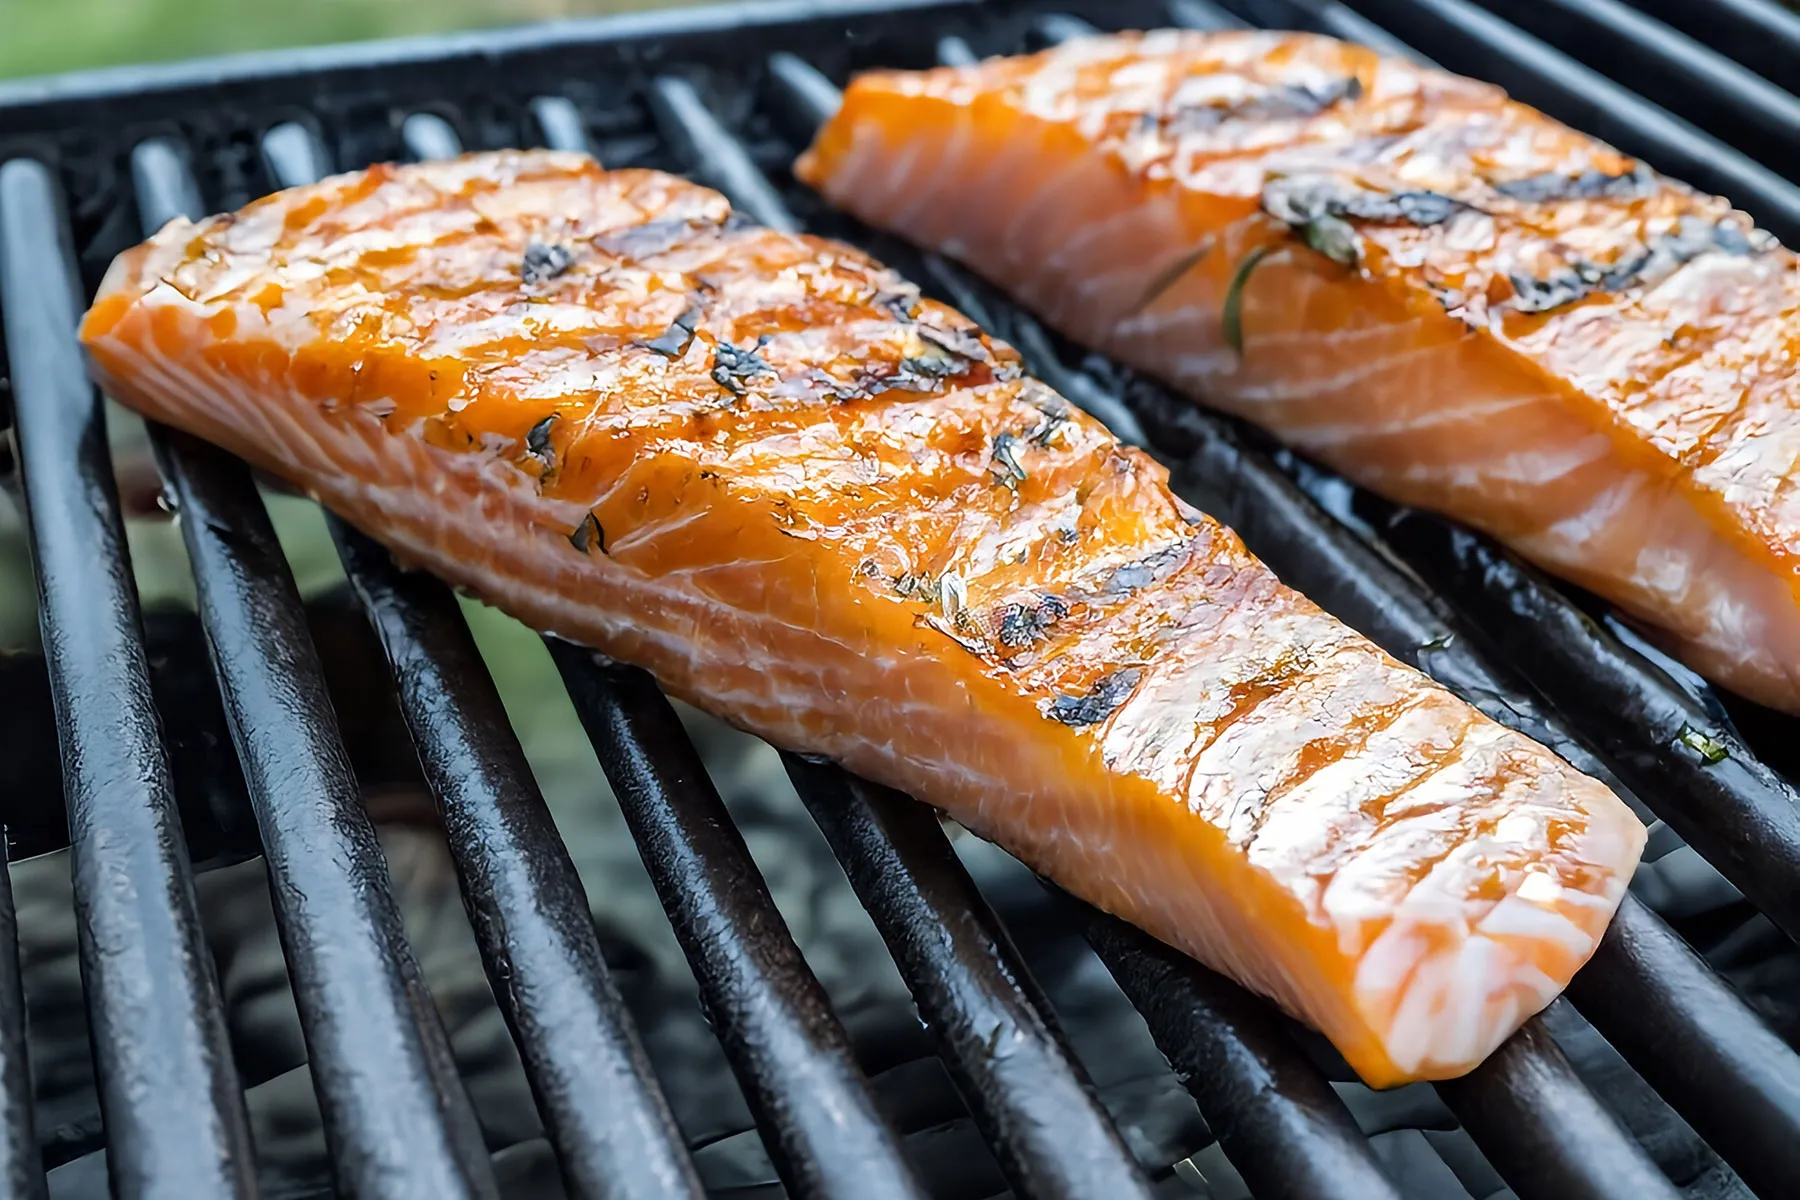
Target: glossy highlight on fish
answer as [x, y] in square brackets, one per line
[840, 516]
[1443, 294]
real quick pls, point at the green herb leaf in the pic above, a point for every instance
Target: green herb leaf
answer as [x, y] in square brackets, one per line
[1234, 296]
[1233, 310]
[1169, 276]
[1710, 749]
[1333, 237]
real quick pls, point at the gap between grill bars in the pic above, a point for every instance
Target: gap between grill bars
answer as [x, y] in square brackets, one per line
[1275, 1115]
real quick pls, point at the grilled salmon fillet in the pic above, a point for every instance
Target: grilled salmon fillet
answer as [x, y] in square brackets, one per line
[842, 517]
[1448, 297]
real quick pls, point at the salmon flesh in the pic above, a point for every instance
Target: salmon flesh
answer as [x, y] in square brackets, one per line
[840, 516]
[1443, 294]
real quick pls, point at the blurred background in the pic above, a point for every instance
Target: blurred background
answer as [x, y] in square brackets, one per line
[61, 35]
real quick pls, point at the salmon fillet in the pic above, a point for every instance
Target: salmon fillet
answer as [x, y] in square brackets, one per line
[841, 517]
[1445, 295]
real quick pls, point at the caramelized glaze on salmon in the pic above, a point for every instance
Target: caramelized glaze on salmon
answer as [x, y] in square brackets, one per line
[1445, 295]
[840, 516]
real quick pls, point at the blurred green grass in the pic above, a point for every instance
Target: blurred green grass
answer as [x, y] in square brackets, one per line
[42, 36]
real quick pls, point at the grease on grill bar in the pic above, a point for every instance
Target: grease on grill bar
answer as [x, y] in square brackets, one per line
[174, 1116]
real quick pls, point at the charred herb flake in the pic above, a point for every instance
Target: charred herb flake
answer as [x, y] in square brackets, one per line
[1057, 411]
[899, 303]
[544, 262]
[1145, 571]
[1022, 624]
[1276, 103]
[1653, 260]
[1299, 200]
[1006, 457]
[732, 365]
[588, 535]
[1108, 692]
[953, 596]
[673, 341]
[1588, 185]
[650, 238]
[537, 439]
[963, 345]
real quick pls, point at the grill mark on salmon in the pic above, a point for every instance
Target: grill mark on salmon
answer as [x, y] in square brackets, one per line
[875, 539]
[1443, 292]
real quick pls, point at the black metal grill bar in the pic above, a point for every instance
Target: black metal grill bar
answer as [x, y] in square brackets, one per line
[601, 1105]
[1462, 35]
[700, 142]
[560, 122]
[954, 51]
[1341, 21]
[396, 1116]
[1060, 27]
[1277, 1119]
[1698, 1044]
[1202, 14]
[788, 1050]
[1527, 1110]
[21, 1164]
[169, 1093]
[428, 136]
[993, 1027]
[1672, 69]
[1761, 34]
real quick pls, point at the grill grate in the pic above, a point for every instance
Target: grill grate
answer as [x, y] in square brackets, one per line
[398, 1119]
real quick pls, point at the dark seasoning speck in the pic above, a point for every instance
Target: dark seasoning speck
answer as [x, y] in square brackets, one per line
[544, 262]
[673, 342]
[1098, 703]
[589, 536]
[1653, 260]
[732, 365]
[537, 439]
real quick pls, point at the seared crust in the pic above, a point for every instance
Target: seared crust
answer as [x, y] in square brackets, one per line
[839, 515]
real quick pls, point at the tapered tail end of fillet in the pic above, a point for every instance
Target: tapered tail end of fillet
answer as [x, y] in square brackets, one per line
[1437, 990]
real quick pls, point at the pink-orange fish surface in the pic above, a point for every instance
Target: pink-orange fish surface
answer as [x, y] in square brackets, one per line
[1448, 297]
[840, 516]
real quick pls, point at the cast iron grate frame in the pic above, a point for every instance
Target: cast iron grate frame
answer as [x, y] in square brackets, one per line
[1548, 1135]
